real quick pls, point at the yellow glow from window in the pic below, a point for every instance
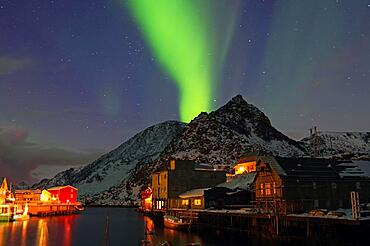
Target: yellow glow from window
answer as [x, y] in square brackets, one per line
[246, 167]
[197, 202]
[185, 202]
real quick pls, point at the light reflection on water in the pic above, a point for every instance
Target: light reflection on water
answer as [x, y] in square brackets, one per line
[126, 227]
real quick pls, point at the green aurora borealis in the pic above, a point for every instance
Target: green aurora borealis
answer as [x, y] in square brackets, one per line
[179, 33]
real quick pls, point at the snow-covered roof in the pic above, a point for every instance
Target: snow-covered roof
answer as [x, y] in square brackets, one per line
[61, 187]
[193, 193]
[205, 167]
[242, 181]
[273, 164]
[355, 169]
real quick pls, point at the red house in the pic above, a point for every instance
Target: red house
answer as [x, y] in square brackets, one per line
[65, 194]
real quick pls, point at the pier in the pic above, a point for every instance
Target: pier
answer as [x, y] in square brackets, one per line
[288, 228]
[42, 210]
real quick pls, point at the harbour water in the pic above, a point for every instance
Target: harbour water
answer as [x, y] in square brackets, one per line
[104, 226]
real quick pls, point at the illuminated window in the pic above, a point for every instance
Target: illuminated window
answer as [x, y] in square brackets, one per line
[71, 195]
[274, 188]
[268, 189]
[262, 190]
[197, 202]
[185, 202]
[241, 169]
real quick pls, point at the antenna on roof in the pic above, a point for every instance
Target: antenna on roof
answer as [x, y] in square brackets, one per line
[314, 142]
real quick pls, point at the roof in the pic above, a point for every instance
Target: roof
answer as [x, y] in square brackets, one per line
[305, 167]
[206, 167]
[273, 164]
[354, 169]
[242, 181]
[193, 193]
[28, 191]
[4, 184]
[61, 187]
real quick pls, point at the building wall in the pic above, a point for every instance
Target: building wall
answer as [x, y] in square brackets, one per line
[246, 167]
[65, 195]
[28, 196]
[169, 184]
[187, 203]
[268, 185]
[185, 178]
[160, 189]
[304, 194]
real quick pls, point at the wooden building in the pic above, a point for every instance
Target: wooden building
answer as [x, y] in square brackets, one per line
[23, 196]
[181, 176]
[65, 194]
[245, 164]
[286, 185]
[146, 199]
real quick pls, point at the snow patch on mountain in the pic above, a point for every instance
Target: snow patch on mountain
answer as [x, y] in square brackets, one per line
[116, 166]
[348, 145]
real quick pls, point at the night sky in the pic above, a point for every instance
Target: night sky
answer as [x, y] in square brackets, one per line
[77, 78]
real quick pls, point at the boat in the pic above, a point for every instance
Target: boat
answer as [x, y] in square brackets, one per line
[173, 222]
[79, 208]
[21, 216]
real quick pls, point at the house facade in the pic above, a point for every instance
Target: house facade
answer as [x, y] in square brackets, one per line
[286, 185]
[181, 176]
[65, 194]
[23, 196]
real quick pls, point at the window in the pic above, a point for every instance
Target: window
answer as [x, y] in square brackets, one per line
[197, 202]
[185, 202]
[358, 185]
[71, 195]
[333, 185]
[314, 186]
[274, 188]
[262, 190]
[268, 189]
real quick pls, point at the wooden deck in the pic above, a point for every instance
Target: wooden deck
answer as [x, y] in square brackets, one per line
[274, 227]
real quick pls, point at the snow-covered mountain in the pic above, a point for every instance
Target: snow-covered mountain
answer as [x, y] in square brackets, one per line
[223, 136]
[219, 137]
[116, 166]
[354, 145]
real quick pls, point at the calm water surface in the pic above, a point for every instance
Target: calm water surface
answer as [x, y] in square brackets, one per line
[125, 227]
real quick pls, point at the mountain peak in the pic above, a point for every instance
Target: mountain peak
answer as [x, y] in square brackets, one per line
[238, 99]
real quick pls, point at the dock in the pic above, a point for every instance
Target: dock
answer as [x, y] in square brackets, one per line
[301, 228]
[51, 209]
